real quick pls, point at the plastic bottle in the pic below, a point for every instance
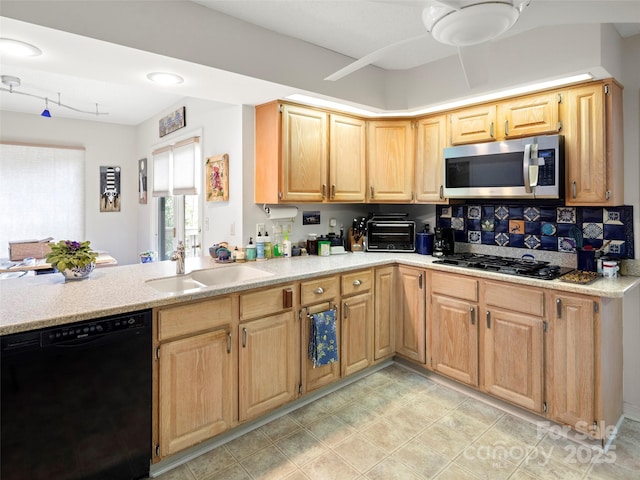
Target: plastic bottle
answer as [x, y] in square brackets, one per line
[260, 247]
[268, 249]
[251, 251]
[287, 246]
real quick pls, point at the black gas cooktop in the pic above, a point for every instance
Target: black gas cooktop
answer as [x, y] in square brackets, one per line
[510, 266]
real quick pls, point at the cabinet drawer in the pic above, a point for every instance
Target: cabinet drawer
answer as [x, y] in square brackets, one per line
[527, 300]
[356, 282]
[457, 286]
[320, 290]
[195, 317]
[265, 302]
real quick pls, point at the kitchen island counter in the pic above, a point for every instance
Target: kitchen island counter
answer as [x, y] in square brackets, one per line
[40, 301]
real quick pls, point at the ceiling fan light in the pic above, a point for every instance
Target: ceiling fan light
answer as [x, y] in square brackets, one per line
[475, 24]
[18, 48]
[164, 78]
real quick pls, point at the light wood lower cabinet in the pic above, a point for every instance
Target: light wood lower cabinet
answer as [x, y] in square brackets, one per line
[357, 334]
[410, 311]
[384, 330]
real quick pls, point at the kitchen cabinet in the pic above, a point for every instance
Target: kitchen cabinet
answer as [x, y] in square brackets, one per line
[431, 138]
[194, 371]
[268, 354]
[594, 145]
[390, 160]
[356, 348]
[528, 115]
[584, 362]
[454, 327]
[512, 343]
[318, 295]
[410, 314]
[384, 312]
[308, 155]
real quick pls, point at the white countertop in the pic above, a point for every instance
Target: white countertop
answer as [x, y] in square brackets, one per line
[40, 301]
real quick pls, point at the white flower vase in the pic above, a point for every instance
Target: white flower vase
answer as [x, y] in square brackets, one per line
[78, 273]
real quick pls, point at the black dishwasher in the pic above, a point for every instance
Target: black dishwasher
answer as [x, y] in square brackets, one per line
[76, 401]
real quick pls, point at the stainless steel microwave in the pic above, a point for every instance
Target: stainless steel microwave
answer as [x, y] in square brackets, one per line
[391, 235]
[530, 167]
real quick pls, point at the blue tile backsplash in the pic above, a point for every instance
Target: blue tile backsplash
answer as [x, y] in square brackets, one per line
[541, 228]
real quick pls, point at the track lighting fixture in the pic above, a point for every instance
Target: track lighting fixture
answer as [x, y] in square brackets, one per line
[12, 82]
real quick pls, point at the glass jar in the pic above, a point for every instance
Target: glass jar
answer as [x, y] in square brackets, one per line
[312, 244]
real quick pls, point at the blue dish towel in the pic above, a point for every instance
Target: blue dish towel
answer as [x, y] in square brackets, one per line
[323, 343]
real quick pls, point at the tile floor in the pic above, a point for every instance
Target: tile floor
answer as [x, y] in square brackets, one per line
[397, 424]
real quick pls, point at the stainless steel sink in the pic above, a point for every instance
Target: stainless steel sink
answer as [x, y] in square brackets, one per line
[207, 278]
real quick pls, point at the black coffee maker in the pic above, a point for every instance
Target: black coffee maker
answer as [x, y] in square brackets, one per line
[444, 243]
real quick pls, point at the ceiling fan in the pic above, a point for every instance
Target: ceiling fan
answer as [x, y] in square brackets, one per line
[455, 23]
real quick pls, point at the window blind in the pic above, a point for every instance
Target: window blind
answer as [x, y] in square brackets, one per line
[175, 169]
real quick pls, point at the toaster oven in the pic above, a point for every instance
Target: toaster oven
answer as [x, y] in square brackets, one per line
[391, 235]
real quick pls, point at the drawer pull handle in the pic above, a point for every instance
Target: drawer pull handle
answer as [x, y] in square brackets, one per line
[488, 319]
[244, 337]
[573, 189]
[324, 190]
[357, 283]
[287, 298]
[319, 291]
[346, 311]
[559, 308]
[333, 191]
[472, 313]
[229, 342]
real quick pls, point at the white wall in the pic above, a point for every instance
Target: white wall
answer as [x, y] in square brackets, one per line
[105, 145]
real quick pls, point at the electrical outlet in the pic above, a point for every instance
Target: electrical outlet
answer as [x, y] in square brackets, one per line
[260, 229]
[232, 229]
[332, 222]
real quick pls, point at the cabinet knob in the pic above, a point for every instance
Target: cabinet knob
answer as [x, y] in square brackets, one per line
[319, 291]
[356, 283]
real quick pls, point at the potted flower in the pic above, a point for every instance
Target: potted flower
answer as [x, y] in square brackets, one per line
[74, 260]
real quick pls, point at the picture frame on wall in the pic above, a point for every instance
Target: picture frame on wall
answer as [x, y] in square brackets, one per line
[217, 180]
[142, 181]
[110, 189]
[172, 122]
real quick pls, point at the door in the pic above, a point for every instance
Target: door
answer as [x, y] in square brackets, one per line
[431, 139]
[195, 390]
[455, 338]
[384, 313]
[512, 357]
[179, 219]
[410, 331]
[267, 362]
[357, 333]
[347, 159]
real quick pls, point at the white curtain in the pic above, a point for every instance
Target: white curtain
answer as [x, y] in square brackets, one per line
[42, 194]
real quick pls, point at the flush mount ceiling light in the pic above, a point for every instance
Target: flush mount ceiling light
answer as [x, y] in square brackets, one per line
[164, 78]
[18, 48]
[473, 24]
[12, 82]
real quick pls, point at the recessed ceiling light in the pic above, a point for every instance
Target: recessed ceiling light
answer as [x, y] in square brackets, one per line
[18, 48]
[164, 78]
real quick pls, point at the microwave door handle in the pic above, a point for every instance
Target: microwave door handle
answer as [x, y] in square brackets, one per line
[526, 161]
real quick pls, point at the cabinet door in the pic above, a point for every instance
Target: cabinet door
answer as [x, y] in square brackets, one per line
[391, 159]
[585, 155]
[347, 159]
[473, 125]
[431, 139]
[316, 377]
[572, 356]
[530, 115]
[267, 361]
[357, 334]
[512, 357]
[384, 313]
[304, 154]
[455, 338]
[195, 390]
[410, 331]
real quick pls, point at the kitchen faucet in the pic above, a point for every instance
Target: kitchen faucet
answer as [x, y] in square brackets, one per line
[178, 257]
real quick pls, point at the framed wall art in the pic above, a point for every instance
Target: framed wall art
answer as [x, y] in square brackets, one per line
[217, 168]
[142, 181]
[174, 121]
[109, 189]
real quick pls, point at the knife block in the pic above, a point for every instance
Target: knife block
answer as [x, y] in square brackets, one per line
[354, 245]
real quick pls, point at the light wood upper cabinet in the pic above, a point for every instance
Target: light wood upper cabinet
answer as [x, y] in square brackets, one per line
[390, 160]
[410, 311]
[473, 125]
[384, 312]
[347, 159]
[308, 155]
[594, 145]
[431, 138]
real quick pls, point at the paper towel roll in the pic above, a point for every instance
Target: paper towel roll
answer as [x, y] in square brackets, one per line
[279, 213]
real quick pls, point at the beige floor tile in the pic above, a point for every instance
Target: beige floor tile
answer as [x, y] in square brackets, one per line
[268, 464]
[392, 469]
[360, 453]
[551, 469]
[468, 425]
[514, 428]
[377, 380]
[385, 435]
[355, 415]
[410, 420]
[248, 444]
[446, 396]
[211, 462]
[297, 475]
[630, 429]
[179, 473]
[611, 471]
[378, 403]
[332, 402]
[309, 413]
[281, 427]
[301, 447]
[429, 408]
[354, 392]
[486, 461]
[425, 463]
[520, 475]
[626, 452]
[456, 472]
[480, 411]
[235, 472]
[330, 467]
[561, 450]
[443, 440]
[331, 430]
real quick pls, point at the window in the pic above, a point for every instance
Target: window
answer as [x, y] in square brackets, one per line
[175, 179]
[42, 193]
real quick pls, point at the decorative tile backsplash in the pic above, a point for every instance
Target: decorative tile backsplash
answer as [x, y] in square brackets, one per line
[559, 229]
